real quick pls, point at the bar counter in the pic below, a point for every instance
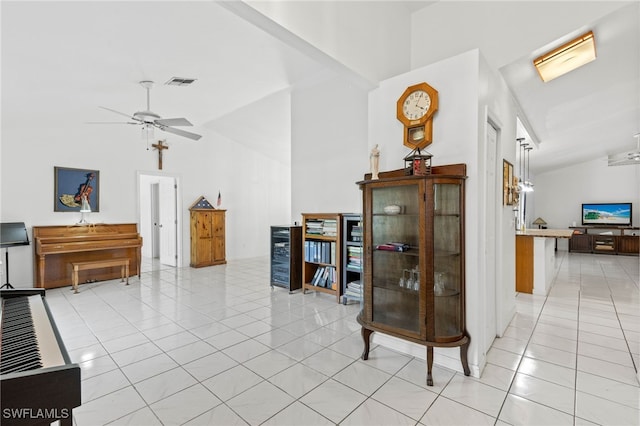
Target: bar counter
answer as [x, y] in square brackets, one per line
[536, 261]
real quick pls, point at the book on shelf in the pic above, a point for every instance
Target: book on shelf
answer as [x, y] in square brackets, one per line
[314, 226]
[322, 227]
[320, 251]
[354, 289]
[330, 227]
[354, 257]
[325, 276]
[356, 232]
[355, 285]
[393, 247]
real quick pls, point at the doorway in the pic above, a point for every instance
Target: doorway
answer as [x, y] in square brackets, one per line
[492, 195]
[158, 207]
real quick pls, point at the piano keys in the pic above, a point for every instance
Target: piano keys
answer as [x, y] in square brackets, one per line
[38, 382]
[55, 247]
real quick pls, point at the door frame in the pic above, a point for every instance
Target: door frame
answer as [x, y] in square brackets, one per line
[490, 119]
[142, 193]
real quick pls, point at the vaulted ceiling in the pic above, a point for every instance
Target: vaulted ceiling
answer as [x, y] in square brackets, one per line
[62, 60]
[593, 111]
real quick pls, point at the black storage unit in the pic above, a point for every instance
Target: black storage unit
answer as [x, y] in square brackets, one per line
[286, 257]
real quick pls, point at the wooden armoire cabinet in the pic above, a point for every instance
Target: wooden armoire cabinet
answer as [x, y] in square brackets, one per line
[414, 274]
[207, 234]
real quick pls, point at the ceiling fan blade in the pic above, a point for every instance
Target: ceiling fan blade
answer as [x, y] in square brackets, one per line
[173, 122]
[121, 113]
[179, 132]
[631, 158]
[111, 122]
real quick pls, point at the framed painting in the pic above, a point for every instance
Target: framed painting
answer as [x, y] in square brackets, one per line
[507, 179]
[71, 185]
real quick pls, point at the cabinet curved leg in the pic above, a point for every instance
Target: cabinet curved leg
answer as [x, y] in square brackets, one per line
[463, 357]
[429, 365]
[366, 334]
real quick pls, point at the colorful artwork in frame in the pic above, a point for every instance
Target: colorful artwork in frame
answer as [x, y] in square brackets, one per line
[71, 185]
[507, 179]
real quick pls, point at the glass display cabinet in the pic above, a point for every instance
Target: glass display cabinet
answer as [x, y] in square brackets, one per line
[286, 257]
[414, 281]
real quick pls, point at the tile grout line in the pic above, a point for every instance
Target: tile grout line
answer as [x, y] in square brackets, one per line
[546, 298]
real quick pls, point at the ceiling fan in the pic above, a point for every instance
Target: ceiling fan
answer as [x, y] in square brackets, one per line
[628, 158]
[149, 119]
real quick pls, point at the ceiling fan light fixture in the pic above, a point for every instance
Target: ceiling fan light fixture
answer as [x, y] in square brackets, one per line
[146, 116]
[567, 57]
[147, 132]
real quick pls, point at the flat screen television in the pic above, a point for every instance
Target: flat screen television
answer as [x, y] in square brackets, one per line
[606, 214]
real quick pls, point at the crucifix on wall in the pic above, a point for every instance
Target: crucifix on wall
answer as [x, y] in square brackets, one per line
[159, 146]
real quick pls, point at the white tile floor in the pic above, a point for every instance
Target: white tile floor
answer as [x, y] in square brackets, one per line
[218, 346]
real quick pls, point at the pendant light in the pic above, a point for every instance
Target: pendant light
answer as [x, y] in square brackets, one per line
[528, 184]
[525, 184]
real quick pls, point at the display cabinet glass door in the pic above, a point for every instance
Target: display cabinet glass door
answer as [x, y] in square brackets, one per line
[447, 262]
[396, 270]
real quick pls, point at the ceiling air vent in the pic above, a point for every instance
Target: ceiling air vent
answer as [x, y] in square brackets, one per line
[180, 81]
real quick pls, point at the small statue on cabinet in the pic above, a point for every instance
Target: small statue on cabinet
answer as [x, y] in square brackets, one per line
[374, 159]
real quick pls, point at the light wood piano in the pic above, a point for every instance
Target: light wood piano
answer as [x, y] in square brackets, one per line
[55, 247]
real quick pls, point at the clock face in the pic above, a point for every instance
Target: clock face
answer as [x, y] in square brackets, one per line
[415, 109]
[416, 105]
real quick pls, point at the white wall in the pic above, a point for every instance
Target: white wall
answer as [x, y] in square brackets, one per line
[372, 40]
[496, 104]
[328, 148]
[255, 188]
[559, 194]
[467, 88]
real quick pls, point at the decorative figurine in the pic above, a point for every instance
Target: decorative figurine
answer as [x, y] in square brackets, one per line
[374, 159]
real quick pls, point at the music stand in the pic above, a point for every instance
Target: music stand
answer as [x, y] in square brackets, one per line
[12, 234]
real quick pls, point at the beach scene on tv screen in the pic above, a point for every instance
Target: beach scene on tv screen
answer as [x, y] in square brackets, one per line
[606, 213]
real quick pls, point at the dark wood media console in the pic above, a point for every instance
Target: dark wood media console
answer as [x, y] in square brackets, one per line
[605, 240]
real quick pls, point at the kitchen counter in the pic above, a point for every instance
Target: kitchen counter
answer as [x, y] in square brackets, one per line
[546, 233]
[536, 260]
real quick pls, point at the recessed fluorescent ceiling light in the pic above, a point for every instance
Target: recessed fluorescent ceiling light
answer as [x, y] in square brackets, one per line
[180, 81]
[567, 57]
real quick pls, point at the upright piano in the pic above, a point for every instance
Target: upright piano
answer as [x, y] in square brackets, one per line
[55, 247]
[38, 382]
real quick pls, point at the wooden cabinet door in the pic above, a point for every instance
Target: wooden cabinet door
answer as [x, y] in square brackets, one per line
[628, 244]
[580, 243]
[201, 238]
[204, 238]
[218, 246]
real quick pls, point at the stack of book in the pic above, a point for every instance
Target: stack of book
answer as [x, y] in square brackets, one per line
[314, 227]
[356, 232]
[354, 290]
[354, 258]
[330, 228]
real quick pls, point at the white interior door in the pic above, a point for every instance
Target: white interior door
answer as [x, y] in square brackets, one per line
[491, 167]
[155, 221]
[168, 226]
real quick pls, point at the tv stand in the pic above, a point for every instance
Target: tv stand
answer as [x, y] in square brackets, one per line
[624, 240]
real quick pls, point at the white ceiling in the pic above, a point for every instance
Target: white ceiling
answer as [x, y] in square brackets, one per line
[61, 60]
[590, 112]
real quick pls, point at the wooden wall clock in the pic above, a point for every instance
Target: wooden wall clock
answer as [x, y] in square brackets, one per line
[415, 110]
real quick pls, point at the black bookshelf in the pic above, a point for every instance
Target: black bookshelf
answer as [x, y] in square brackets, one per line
[352, 258]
